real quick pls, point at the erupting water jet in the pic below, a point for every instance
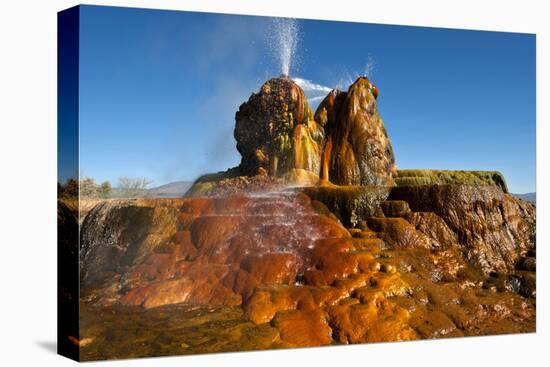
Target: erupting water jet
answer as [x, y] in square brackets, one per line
[283, 41]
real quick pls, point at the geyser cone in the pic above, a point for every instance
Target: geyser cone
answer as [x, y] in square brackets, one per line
[276, 132]
[361, 152]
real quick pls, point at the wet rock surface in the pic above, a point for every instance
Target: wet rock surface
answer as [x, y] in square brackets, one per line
[212, 251]
[276, 132]
[68, 283]
[361, 152]
[496, 229]
[350, 204]
[277, 271]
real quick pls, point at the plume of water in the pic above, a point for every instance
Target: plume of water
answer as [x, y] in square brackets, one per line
[345, 81]
[314, 92]
[283, 37]
[283, 40]
[369, 67]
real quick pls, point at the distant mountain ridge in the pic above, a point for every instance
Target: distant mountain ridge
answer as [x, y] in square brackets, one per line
[530, 196]
[172, 189]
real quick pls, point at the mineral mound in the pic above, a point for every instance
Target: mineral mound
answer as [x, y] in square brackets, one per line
[316, 238]
[358, 150]
[276, 132]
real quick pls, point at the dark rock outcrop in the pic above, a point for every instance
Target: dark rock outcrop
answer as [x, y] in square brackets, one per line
[68, 327]
[350, 204]
[118, 232]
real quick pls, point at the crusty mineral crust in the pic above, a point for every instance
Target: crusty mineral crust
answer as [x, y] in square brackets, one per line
[361, 150]
[268, 271]
[496, 228]
[275, 131]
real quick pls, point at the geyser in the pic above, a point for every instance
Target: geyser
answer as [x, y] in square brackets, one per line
[259, 256]
[284, 41]
[282, 142]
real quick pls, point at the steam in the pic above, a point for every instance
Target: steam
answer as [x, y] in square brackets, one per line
[369, 67]
[283, 41]
[282, 38]
[309, 86]
[348, 78]
[316, 92]
[345, 81]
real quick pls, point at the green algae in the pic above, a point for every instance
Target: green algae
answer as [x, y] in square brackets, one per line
[418, 177]
[132, 332]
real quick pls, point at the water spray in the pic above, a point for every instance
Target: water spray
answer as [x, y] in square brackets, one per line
[283, 39]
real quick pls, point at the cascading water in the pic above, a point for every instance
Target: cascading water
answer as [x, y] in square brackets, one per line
[325, 167]
[274, 222]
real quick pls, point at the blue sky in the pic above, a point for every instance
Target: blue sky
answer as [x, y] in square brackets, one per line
[159, 90]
